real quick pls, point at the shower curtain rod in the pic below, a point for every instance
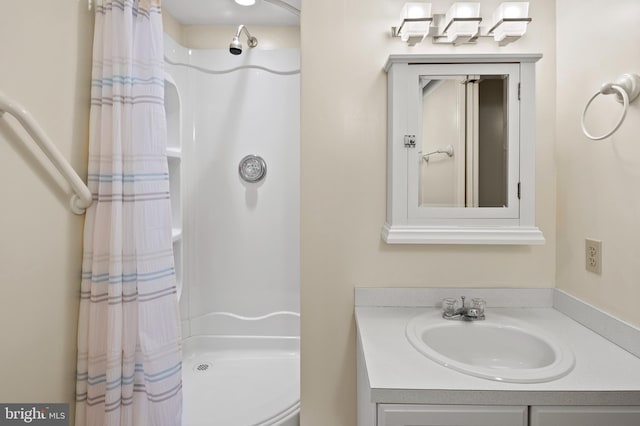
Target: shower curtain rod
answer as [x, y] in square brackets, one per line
[278, 3]
[82, 197]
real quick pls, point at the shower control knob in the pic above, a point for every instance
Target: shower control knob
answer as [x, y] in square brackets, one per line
[252, 168]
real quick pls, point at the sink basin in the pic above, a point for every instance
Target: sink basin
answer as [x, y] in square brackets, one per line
[501, 348]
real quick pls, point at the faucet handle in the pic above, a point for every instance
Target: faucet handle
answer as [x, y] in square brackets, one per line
[449, 306]
[479, 304]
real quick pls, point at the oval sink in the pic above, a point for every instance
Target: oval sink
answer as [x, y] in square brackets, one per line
[499, 349]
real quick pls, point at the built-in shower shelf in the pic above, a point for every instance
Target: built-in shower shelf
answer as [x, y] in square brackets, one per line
[174, 153]
[176, 234]
[173, 117]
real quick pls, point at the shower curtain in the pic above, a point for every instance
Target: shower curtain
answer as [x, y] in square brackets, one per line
[129, 350]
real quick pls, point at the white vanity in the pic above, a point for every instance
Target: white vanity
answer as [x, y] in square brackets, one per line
[400, 385]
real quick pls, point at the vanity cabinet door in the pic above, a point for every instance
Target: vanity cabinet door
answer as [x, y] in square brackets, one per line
[450, 415]
[585, 416]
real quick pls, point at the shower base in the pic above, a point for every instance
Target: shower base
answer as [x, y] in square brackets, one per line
[241, 381]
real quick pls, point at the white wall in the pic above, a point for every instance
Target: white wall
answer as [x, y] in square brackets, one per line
[219, 36]
[598, 181]
[243, 239]
[344, 45]
[442, 177]
[45, 49]
[240, 239]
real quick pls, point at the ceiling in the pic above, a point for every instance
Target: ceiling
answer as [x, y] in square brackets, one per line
[227, 12]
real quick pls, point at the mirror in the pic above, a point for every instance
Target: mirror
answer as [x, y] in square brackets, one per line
[461, 148]
[464, 145]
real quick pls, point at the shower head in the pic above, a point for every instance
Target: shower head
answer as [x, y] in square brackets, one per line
[235, 48]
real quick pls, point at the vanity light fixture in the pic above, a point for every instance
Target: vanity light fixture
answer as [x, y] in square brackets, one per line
[416, 22]
[509, 22]
[245, 2]
[460, 24]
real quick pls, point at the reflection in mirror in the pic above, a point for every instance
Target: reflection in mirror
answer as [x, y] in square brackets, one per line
[464, 148]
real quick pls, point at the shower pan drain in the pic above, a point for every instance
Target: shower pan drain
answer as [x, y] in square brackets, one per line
[202, 367]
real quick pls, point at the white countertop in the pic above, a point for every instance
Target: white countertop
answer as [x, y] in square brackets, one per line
[604, 374]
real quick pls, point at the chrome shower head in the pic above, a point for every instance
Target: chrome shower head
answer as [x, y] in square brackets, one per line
[235, 48]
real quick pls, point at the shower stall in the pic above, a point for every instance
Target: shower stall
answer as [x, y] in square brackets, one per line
[233, 147]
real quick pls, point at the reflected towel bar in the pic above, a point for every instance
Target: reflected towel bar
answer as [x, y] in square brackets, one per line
[446, 150]
[82, 197]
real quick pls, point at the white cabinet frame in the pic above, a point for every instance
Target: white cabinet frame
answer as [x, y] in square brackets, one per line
[513, 225]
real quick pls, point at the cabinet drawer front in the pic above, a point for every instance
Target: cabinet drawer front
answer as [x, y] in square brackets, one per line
[450, 415]
[585, 416]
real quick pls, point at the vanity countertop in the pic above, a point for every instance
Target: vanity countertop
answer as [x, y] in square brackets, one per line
[604, 373]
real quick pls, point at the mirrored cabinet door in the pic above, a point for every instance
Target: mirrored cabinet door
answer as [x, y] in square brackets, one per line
[466, 121]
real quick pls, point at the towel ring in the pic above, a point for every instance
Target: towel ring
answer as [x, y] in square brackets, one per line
[627, 88]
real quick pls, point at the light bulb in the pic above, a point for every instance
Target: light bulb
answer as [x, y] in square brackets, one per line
[512, 12]
[464, 12]
[414, 11]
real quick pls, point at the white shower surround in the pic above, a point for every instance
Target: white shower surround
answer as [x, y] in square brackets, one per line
[240, 293]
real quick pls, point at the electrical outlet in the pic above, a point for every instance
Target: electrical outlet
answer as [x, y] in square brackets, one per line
[593, 256]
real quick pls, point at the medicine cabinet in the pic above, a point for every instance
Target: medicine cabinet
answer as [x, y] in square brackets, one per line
[461, 149]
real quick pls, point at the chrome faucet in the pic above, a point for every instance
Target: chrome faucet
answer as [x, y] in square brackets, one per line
[475, 312]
